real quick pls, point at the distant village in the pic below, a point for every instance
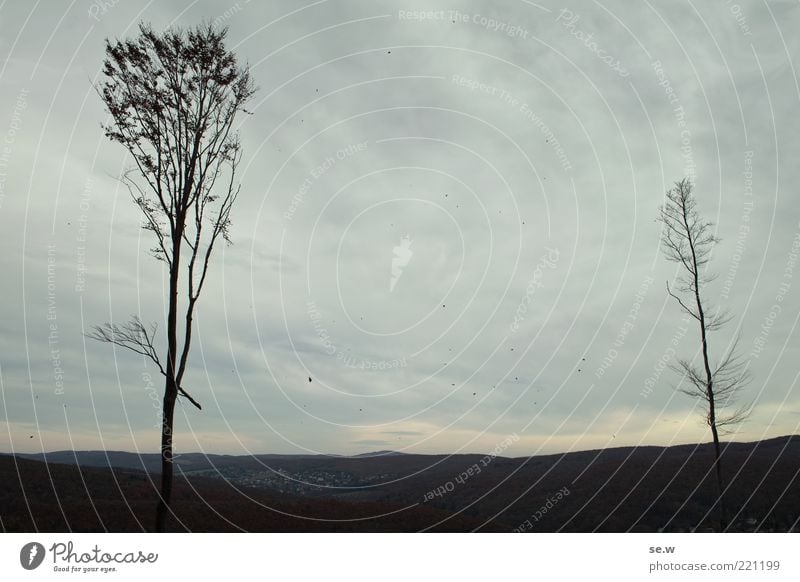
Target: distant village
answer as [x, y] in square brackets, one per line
[303, 482]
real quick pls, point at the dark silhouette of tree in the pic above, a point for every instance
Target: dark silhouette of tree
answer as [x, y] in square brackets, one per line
[688, 240]
[173, 98]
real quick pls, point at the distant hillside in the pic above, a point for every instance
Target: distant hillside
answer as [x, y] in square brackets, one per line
[147, 461]
[39, 497]
[621, 489]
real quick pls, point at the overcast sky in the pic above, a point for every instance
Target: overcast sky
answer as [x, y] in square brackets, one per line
[522, 148]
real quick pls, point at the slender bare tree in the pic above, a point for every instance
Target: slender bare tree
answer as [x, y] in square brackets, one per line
[173, 98]
[688, 240]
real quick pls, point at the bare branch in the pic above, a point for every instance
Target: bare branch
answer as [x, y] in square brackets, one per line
[681, 303]
[133, 336]
[186, 395]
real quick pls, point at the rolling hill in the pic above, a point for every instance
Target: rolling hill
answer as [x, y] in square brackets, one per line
[620, 489]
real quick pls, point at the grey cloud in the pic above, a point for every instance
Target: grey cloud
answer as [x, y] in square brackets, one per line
[499, 165]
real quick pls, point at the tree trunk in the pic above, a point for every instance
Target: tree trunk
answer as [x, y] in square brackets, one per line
[170, 387]
[712, 422]
[723, 512]
[163, 509]
[712, 415]
[710, 397]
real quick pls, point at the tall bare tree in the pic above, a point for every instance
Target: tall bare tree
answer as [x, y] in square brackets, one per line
[688, 240]
[173, 98]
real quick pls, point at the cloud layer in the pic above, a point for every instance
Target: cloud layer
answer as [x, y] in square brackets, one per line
[445, 234]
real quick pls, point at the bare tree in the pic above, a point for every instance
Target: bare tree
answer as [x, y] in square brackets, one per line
[173, 98]
[689, 240]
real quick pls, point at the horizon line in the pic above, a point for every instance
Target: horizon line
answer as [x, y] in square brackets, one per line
[390, 452]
